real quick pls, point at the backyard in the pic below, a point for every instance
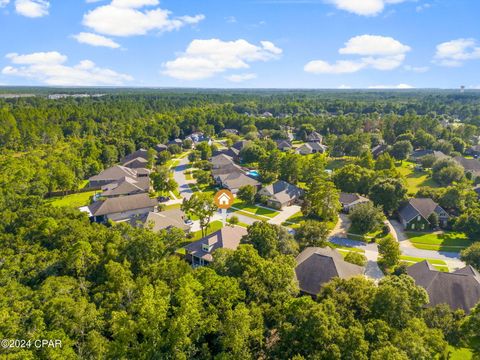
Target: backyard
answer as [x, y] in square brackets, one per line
[415, 178]
[439, 241]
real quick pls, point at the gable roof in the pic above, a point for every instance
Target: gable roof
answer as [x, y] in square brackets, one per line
[237, 179]
[126, 186]
[139, 153]
[283, 144]
[314, 137]
[160, 147]
[472, 165]
[239, 145]
[421, 206]
[122, 204]
[227, 237]
[347, 199]
[114, 173]
[317, 266]
[138, 162]
[157, 221]
[221, 160]
[460, 289]
[282, 191]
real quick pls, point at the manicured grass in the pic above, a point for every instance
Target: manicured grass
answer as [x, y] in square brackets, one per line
[72, 200]
[415, 179]
[437, 264]
[294, 220]
[214, 226]
[447, 241]
[355, 234]
[459, 353]
[337, 163]
[254, 209]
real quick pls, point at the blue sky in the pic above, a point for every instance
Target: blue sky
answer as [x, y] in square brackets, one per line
[248, 43]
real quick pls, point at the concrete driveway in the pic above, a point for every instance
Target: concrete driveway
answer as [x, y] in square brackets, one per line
[285, 213]
[342, 226]
[179, 176]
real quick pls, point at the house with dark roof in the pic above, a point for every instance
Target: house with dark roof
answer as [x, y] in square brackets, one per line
[165, 220]
[160, 147]
[350, 200]
[234, 180]
[471, 166]
[140, 153]
[311, 148]
[126, 186]
[473, 151]
[280, 194]
[283, 145]
[199, 253]
[415, 215]
[177, 141]
[379, 150]
[113, 174]
[317, 266]
[137, 163]
[417, 155]
[315, 137]
[459, 289]
[122, 208]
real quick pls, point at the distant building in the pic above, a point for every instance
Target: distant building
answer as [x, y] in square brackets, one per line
[471, 166]
[126, 186]
[137, 163]
[165, 220]
[415, 215]
[284, 145]
[315, 137]
[122, 208]
[280, 194]
[160, 147]
[111, 175]
[379, 150]
[199, 253]
[317, 266]
[473, 151]
[350, 200]
[459, 290]
[140, 153]
[311, 148]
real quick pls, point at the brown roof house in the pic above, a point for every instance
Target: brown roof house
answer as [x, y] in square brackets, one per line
[283, 145]
[136, 163]
[199, 253]
[317, 266]
[122, 208]
[165, 220]
[459, 289]
[311, 148]
[415, 215]
[315, 137]
[280, 194]
[471, 166]
[229, 175]
[126, 186]
[350, 200]
[140, 153]
[110, 175]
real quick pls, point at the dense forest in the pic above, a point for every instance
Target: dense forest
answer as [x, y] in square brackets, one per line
[118, 292]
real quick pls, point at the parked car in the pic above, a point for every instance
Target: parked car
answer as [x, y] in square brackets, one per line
[163, 198]
[189, 222]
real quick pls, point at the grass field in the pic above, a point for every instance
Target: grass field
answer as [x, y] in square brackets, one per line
[72, 200]
[255, 210]
[415, 179]
[448, 241]
[294, 220]
[438, 264]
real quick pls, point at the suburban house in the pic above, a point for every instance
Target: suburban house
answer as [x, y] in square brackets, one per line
[280, 194]
[122, 208]
[315, 137]
[160, 147]
[284, 145]
[177, 141]
[311, 148]
[459, 289]
[113, 174]
[233, 181]
[126, 186]
[199, 253]
[137, 163]
[349, 201]
[417, 155]
[222, 160]
[317, 266]
[140, 153]
[471, 166]
[379, 150]
[415, 215]
[165, 220]
[473, 151]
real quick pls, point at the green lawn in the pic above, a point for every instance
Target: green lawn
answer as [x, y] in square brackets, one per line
[415, 179]
[448, 241]
[459, 353]
[438, 264]
[294, 220]
[255, 210]
[214, 226]
[337, 163]
[355, 234]
[72, 200]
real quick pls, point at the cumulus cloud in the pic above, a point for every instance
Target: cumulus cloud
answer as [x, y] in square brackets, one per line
[377, 52]
[95, 40]
[32, 8]
[399, 86]
[456, 52]
[50, 69]
[363, 7]
[240, 77]
[205, 58]
[126, 18]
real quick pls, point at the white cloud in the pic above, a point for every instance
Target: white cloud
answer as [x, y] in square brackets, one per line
[340, 67]
[50, 69]
[399, 86]
[32, 8]
[205, 58]
[423, 7]
[343, 86]
[377, 52]
[456, 52]
[416, 69]
[363, 7]
[240, 77]
[125, 18]
[4, 3]
[95, 40]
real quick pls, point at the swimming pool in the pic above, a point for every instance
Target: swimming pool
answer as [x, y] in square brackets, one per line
[253, 173]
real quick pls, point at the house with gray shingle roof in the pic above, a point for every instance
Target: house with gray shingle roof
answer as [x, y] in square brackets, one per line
[280, 194]
[110, 175]
[350, 200]
[315, 137]
[459, 289]
[311, 148]
[471, 166]
[415, 215]
[122, 208]
[317, 266]
[140, 153]
[126, 186]
[165, 220]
